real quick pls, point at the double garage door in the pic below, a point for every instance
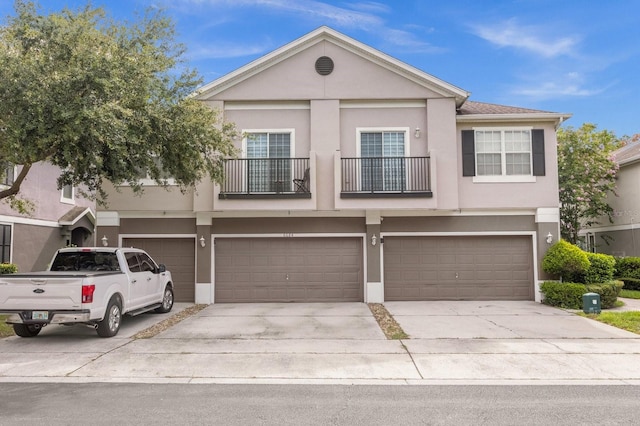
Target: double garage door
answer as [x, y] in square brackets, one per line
[296, 269]
[178, 254]
[458, 268]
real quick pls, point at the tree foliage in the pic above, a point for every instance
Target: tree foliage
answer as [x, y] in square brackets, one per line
[103, 101]
[586, 173]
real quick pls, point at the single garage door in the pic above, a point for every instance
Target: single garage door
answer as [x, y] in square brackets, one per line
[458, 268]
[288, 270]
[178, 255]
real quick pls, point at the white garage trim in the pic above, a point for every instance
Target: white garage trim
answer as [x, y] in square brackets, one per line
[532, 234]
[363, 236]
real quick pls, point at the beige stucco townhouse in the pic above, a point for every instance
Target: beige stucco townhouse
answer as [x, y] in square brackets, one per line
[622, 236]
[60, 218]
[360, 178]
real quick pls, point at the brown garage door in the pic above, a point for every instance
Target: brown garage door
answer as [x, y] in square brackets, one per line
[178, 254]
[458, 268]
[288, 270]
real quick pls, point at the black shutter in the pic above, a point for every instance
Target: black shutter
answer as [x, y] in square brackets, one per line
[537, 147]
[468, 153]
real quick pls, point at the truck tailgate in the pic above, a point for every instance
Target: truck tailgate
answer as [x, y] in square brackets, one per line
[40, 292]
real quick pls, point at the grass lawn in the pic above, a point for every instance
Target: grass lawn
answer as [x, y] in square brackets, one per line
[6, 330]
[630, 294]
[629, 321]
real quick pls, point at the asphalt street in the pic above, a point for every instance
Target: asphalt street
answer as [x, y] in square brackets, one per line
[187, 404]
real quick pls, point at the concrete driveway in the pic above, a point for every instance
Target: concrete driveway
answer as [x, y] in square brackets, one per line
[450, 342]
[496, 320]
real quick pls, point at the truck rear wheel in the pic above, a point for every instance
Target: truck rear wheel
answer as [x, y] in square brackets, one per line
[27, 330]
[110, 324]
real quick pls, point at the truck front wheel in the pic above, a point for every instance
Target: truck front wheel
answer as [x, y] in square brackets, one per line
[167, 301]
[110, 324]
[27, 330]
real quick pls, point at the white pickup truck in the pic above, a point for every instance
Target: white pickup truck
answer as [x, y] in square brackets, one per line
[94, 286]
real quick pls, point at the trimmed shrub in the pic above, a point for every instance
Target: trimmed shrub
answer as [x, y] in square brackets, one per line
[601, 268]
[628, 267]
[8, 268]
[563, 295]
[565, 260]
[608, 292]
[630, 283]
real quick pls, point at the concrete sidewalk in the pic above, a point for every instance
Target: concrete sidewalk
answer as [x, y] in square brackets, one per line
[450, 342]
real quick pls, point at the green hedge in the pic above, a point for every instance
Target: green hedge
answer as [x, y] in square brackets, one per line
[608, 292]
[8, 268]
[628, 267]
[630, 283]
[601, 269]
[563, 295]
[569, 295]
[566, 261]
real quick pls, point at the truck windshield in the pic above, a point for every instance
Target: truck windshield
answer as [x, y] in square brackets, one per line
[85, 261]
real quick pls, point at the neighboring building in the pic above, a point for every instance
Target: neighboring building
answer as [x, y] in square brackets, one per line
[360, 178]
[60, 218]
[622, 237]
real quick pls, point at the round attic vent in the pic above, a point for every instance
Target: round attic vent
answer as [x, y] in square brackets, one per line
[324, 65]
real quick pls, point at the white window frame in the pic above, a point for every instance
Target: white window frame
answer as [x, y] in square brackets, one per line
[361, 130]
[15, 172]
[67, 200]
[292, 139]
[530, 178]
[147, 181]
[11, 225]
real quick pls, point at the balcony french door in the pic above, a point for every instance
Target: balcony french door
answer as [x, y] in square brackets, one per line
[383, 168]
[270, 168]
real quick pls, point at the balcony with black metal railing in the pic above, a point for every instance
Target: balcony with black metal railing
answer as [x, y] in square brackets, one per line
[263, 178]
[378, 177]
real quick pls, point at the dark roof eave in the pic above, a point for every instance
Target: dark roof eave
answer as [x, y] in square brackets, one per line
[558, 118]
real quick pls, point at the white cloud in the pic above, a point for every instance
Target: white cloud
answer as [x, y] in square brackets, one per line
[571, 84]
[350, 18]
[363, 16]
[227, 50]
[530, 38]
[409, 41]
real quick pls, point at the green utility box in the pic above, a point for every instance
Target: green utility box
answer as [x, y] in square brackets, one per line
[591, 303]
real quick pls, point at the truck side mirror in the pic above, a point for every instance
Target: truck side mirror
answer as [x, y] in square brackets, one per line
[162, 268]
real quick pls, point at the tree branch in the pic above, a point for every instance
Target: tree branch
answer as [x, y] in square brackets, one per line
[15, 187]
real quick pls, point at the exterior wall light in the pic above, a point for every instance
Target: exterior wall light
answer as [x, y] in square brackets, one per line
[417, 132]
[105, 241]
[549, 238]
[374, 240]
[202, 242]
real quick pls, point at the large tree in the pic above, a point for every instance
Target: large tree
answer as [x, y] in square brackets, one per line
[103, 100]
[586, 173]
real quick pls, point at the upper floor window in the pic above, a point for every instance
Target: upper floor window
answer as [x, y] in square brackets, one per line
[145, 178]
[7, 174]
[5, 243]
[382, 155]
[268, 155]
[67, 194]
[503, 154]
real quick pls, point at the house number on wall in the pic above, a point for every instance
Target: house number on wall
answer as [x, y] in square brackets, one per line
[287, 235]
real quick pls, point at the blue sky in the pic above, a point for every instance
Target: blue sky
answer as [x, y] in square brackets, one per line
[575, 56]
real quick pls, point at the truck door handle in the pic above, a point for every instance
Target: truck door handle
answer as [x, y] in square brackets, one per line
[149, 279]
[134, 281]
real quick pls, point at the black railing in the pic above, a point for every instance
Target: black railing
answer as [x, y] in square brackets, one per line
[386, 176]
[266, 178]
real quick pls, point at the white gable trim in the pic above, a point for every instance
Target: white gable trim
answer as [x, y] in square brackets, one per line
[327, 34]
